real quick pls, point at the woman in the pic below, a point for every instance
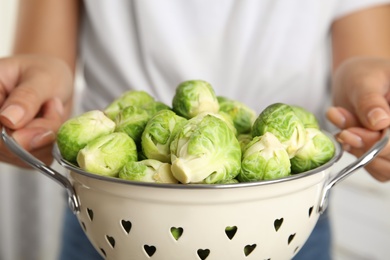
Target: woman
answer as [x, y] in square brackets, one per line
[258, 52]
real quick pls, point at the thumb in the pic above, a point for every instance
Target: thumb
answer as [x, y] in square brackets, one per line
[36, 80]
[362, 86]
[372, 106]
[22, 104]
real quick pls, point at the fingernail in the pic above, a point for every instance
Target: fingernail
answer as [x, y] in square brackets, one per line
[42, 139]
[13, 114]
[351, 139]
[376, 115]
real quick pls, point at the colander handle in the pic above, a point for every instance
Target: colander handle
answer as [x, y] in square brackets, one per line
[359, 163]
[14, 147]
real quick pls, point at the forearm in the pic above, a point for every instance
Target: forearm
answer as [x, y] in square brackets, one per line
[48, 27]
[365, 33]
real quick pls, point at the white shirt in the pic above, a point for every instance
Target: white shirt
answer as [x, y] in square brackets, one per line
[256, 51]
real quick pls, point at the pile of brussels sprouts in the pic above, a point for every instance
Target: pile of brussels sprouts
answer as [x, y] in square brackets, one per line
[200, 138]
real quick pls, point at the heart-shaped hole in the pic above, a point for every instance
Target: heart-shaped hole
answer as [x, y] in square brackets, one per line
[248, 249]
[278, 223]
[111, 240]
[310, 211]
[126, 226]
[150, 250]
[90, 213]
[231, 231]
[290, 238]
[176, 232]
[203, 253]
[103, 252]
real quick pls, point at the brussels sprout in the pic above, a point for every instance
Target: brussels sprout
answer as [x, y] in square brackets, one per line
[232, 181]
[76, 132]
[158, 134]
[107, 154]
[317, 150]
[153, 107]
[205, 150]
[177, 233]
[244, 139]
[243, 116]
[309, 119]
[194, 97]
[129, 98]
[148, 170]
[264, 158]
[223, 116]
[281, 120]
[132, 121]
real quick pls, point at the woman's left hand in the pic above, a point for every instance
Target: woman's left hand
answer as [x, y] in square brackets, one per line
[361, 97]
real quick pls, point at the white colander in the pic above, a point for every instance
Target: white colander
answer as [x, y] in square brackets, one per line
[127, 220]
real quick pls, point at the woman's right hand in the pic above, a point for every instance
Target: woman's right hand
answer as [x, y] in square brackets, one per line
[35, 99]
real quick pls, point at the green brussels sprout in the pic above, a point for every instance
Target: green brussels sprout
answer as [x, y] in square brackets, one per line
[223, 116]
[232, 181]
[244, 139]
[318, 150]
[148, 170]
[205, 150]
[155, 106]
[129, 98]
[158, 134]
[194, 97]
[243, 116]
[309, 119]
[132, 121]
[281, 120]
[76, 132]
[177, 233]
[264, 158]
[107, 154]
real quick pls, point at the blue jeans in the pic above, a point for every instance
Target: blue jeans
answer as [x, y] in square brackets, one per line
[318, 246]
[76, 246]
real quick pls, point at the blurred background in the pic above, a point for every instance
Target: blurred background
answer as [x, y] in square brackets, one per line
[31, 205]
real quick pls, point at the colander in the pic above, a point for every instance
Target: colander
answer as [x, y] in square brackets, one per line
[128, 220]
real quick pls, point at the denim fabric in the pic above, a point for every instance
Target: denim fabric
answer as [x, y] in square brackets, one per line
[76, 246]
[318, 246]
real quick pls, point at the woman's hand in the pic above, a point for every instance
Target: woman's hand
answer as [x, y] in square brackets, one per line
[361, 96]
[35, 99]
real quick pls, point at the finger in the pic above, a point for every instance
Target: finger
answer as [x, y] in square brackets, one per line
[38, 80]
[358, 138]
[341, 118]
[357, 141]
[41, 131]
[370, 101]
[379, 168]
[24, 103]
[38, 136]
[44, 154]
